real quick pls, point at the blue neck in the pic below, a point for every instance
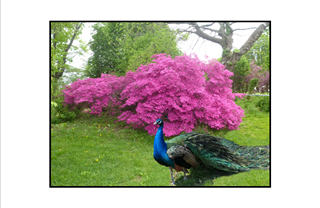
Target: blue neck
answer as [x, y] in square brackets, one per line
[159, 146]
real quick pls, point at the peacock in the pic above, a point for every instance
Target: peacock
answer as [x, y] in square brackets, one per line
[193, 149]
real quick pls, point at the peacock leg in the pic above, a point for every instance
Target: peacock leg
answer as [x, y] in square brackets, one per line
[171, 176]
[185, 176]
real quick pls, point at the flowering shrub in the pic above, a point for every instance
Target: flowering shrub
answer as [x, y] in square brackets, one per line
[184, 88]
[96, 93]
[179, 89]
[263, 76]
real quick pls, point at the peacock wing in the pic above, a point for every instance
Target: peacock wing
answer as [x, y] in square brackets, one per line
[178, 140]
[178, 152]
[214, 154]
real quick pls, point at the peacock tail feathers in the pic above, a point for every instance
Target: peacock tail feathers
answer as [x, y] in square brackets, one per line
[223, 154]
[257, 157]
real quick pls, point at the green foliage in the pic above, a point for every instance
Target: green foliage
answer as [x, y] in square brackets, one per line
[260, 51]
[241, 69]
[146, 39]
[121, 47]
[252, 84]
[53, 104]
[61, 35]
[60, 113]
[250, 106]
[264, 104]
[63, 50]
[107, 55]
[226, 52]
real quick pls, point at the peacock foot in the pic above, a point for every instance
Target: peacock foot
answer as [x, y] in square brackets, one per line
[172, 183]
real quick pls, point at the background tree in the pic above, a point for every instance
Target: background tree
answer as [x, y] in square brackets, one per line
[241, 70]
[63, 35]
[145, 40]
[63, 50]
[225, 39]
[260, 51]
[106, 49]
[121, 47]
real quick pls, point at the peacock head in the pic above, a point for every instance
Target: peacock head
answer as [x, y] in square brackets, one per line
[159, 122]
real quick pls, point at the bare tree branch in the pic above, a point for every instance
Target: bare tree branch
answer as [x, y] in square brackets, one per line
[229, 27]
[201, 44]
[195, 44]
[212, 30]
[221, 29]
[245, 28]
[207, 25]
[206, 36]
[252, 39]
[199, 32]
[188, 31]
[73, 37]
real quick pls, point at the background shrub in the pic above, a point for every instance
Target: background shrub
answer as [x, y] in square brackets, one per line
[264, 104]
[61, 113]
[263, 76]
[252, 84]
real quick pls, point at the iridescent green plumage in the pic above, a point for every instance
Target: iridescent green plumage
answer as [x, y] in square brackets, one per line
[222, 154]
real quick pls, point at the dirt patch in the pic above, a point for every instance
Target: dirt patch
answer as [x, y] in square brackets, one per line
[137, 178]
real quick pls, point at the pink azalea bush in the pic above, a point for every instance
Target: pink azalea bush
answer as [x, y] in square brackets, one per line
[263, 76]
[96, 93]
[178, 88]
[175, 87]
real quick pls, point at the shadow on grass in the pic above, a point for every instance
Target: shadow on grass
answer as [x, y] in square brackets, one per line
[201, 177]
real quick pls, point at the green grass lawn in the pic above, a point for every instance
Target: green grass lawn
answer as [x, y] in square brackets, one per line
[95, 151]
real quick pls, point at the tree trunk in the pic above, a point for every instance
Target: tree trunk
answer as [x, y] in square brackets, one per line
[229, 59]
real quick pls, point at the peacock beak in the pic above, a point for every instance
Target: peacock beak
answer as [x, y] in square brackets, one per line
[155, 123]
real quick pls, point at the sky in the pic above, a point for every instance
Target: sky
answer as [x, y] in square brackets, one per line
[202, 48]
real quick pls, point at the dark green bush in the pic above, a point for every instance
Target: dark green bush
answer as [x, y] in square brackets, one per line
[252, 84]
[60, 114]
[264, 104]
